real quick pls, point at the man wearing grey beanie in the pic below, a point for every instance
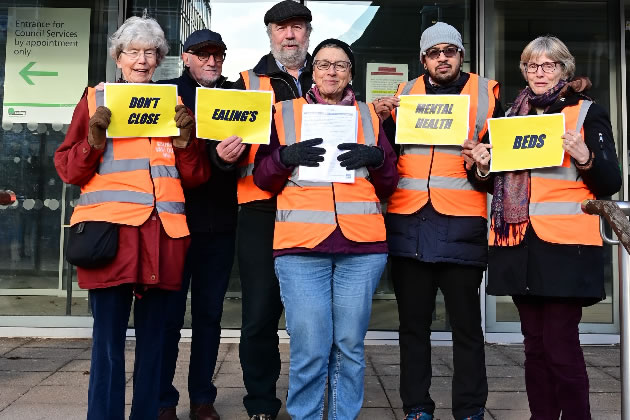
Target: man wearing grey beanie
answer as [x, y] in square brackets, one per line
[436, 232]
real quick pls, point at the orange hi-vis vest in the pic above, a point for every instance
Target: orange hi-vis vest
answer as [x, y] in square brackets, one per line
[246, 189]
[437, 172]
[134, 176]
[556, 195]
[308, 212]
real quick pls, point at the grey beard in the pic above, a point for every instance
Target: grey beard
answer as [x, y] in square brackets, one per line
[290, 59]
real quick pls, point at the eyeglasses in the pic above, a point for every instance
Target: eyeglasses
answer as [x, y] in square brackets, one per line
[340, 66]
[449, 52]
[204, 56]
[135, 54]
[547, 67]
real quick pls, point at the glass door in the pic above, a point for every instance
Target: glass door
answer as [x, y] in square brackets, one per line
[590, 28]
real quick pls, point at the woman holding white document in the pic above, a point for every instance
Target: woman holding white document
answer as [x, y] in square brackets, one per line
[329, 240]
[544, 252]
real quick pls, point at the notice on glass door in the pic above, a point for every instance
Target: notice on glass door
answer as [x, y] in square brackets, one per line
[46, 66]
[382, 79]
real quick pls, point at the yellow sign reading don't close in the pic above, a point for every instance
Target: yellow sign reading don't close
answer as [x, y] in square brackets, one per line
[526, 142]
[141, 110]
[432, 119]
[222, 113]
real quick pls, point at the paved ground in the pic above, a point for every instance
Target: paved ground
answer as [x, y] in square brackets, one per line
[48, 379]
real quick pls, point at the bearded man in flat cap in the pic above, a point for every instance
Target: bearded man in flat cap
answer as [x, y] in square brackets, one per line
[287, 71]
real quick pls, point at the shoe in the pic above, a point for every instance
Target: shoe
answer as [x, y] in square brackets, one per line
[203, 412]
[418, 414]
[261, 417]
[478, 416]
[167, 413]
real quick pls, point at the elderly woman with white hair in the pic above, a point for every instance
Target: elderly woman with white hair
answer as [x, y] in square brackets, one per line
[544, 252]
[131, 194]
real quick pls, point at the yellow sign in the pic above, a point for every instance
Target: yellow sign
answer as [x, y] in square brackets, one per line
[222, 113]
[526, 142]
[141, 109]
[432, 119]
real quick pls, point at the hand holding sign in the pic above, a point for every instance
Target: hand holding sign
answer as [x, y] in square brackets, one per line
[231, 149]
[98, 126]
[477, 153]
[185, 123]
[574, 145]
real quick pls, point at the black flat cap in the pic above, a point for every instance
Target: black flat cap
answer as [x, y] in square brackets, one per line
[286, 10]
[202, 38]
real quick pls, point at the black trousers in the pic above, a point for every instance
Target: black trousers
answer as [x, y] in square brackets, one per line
[262, 308]
[415, 285]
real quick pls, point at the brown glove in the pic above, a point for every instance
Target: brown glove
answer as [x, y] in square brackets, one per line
[185, 123]
[97, 126]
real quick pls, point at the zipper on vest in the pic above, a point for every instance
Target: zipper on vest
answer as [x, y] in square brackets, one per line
[151, 175]
[288, 84]
[429, 174]
[335, 203]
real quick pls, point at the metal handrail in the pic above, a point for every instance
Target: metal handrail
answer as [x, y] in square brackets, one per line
[616, 214]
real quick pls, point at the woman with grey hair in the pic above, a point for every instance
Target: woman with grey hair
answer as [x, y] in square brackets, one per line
[544, 252]
[132, 195]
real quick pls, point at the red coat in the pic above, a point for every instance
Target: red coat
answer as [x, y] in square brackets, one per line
[147, 256]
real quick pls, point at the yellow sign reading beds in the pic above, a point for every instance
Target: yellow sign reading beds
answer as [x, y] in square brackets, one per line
[141, 110]
[432, 119]
[222, 113]
[526, 142]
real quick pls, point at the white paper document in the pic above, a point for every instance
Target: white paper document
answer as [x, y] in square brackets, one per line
[335, 124]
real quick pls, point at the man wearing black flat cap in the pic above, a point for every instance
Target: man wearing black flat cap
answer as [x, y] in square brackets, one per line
[287, 71]
[211, 211]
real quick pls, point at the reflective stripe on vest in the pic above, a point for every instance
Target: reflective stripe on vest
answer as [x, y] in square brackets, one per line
[308, 212]
[134, 176]
[437, 172]
[246, 189]
[557, 193]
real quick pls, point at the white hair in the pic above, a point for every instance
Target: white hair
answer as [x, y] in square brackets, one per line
[139, 30]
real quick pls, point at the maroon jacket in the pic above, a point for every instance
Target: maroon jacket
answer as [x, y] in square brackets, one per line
[147, 256]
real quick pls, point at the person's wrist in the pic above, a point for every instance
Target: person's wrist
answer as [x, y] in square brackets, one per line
[94, 145]
[481, 174]
[586, 165]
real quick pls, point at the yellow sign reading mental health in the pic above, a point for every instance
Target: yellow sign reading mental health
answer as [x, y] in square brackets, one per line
[432, 119]
[526, 142]
[222, 113]
[141, 109]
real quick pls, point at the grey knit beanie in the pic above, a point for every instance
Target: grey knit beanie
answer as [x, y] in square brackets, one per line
[440, 33]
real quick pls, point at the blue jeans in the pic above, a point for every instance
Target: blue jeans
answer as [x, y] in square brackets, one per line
[208, 263]
[327, 300]
[111, 307]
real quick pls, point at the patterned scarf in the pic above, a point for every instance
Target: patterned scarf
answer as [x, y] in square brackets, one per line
[314, 97]
[510, 202]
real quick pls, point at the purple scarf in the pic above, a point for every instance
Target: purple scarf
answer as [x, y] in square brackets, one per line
[510, 202]
[314, 97]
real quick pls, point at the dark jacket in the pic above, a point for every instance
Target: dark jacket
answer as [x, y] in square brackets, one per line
[283, 84]
[284, 88]
[429, 236]
[212, 206]
[539, 268]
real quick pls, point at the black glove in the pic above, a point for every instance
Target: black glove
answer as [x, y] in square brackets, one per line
[359, 155]
[303, 153]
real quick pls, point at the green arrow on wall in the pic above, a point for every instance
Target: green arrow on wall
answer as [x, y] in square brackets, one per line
[26, 72]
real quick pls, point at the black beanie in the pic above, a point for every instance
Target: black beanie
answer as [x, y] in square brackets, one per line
[345, 47]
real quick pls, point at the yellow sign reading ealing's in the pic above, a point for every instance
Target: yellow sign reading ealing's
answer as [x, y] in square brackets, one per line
[222, 113]
[432, 119]
[141, 109]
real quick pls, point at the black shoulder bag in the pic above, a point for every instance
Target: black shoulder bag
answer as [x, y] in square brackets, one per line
[92, 244]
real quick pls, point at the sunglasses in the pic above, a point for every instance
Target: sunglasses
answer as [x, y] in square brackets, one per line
[449, 52]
